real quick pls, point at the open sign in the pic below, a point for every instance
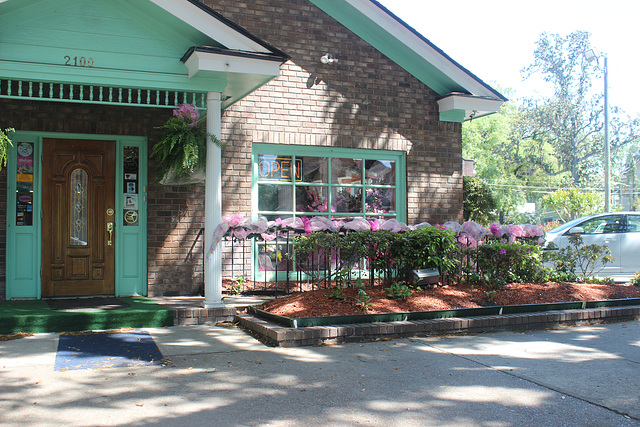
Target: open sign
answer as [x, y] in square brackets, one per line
[279, 168]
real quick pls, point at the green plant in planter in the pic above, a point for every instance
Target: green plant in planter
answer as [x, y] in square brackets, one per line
[5, 143]
[182, 149]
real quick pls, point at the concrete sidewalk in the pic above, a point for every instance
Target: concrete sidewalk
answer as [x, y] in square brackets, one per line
[222, 376]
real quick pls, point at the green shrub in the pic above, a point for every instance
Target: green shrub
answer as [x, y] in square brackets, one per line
[501, 263]
[384, 252]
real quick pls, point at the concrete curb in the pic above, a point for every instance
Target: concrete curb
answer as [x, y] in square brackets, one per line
[280, 336]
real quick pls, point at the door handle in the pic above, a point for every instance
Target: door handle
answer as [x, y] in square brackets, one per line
[110, 231]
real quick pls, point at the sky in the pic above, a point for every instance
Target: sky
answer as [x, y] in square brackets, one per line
[495, 39]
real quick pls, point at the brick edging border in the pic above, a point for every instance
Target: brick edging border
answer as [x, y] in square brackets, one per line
[280, 336]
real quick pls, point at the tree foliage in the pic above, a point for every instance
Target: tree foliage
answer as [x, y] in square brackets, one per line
[572, 203]
[479, 204]
[569, 123]
[536, 145]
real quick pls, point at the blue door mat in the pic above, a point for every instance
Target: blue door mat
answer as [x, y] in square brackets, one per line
[106, 350]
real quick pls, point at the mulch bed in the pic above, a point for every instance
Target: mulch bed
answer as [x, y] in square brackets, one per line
[316, 303]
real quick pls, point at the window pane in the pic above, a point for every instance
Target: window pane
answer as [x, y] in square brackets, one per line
[78, 217]
[278, 168]
[273, 197]
[273, 256]
[131, 157]
[311, 199]
[346, 199]
[633, 223]
[603, 224]
[380, 172]
[380, 200]
[346, 171]
[313, 169]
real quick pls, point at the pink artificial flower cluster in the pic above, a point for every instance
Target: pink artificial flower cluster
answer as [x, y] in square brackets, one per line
[468, 234]
[188, 113]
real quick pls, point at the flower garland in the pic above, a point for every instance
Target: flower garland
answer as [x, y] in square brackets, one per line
[468, 234]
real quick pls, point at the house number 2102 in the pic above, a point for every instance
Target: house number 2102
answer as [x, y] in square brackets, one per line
[78, 61]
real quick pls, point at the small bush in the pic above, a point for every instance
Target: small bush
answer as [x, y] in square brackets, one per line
[398, 291]
[578, 259]
[502, 263]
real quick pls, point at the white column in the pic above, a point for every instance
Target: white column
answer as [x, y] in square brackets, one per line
[213, 205]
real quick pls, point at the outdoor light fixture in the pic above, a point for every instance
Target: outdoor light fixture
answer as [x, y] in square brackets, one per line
[328, 58]
[591, 55]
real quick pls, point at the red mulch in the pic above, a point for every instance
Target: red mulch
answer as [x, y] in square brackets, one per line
[318, 304]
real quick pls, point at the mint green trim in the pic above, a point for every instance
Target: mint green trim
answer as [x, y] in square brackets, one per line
[24, 243]
[117, 78]
[131, 241]
[456, 116]
[398, 156]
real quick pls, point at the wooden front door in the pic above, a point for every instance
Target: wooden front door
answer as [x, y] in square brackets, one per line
[78, 217]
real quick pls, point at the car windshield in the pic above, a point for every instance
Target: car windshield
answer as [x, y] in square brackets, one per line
[567, 225]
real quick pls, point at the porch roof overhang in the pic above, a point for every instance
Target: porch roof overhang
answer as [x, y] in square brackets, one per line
[133, 45]
[461, 92]
[243, 72]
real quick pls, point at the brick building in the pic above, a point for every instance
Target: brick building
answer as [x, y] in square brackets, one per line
[327, 107]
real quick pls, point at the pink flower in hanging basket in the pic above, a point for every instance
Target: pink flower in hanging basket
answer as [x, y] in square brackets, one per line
[188, 113]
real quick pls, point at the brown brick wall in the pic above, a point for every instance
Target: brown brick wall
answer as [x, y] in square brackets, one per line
[363, 101]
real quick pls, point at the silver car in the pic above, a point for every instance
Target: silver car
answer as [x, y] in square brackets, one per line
[619, 231]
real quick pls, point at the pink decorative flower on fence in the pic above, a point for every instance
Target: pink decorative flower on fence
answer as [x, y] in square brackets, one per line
[393, 225]
[375, 224]
[357, 224]
[496, 229]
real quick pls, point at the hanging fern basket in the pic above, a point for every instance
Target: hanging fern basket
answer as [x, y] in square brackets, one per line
[180, 154]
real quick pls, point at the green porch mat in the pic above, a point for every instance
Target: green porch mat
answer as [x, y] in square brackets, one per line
[37, 316]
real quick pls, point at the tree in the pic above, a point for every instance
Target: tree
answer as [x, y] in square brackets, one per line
[490, 141]
[572, 203]
[479, 204]
[564, 132]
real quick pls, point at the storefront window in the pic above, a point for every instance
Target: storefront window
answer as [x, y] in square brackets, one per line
[337, 186]
[335, 183]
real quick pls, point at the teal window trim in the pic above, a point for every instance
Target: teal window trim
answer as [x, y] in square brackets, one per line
[399, 157]
[23, 243]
